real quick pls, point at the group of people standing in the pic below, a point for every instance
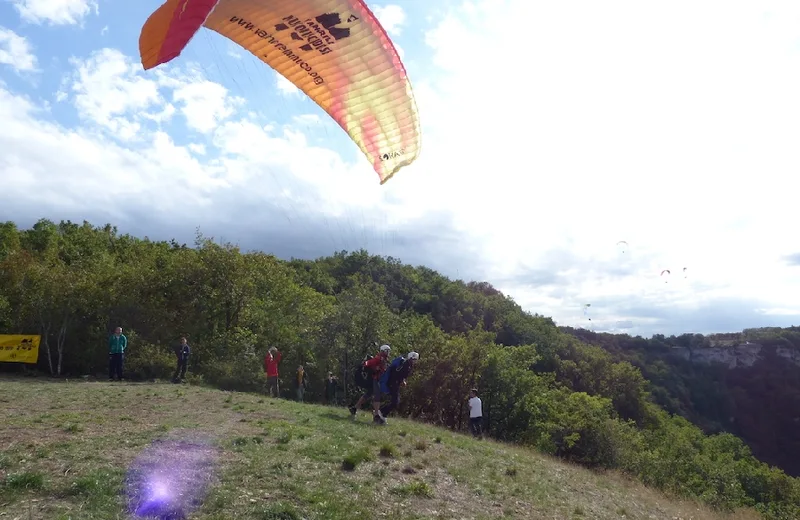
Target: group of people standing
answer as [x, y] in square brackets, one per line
[271, 362]
[376, 375]
[118, 343]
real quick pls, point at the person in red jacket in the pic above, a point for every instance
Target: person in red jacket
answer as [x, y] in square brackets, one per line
[377, 365]
[271, 361]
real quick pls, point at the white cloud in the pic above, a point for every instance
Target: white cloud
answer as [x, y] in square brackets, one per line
[286, 87]
[550, 132]
[83, 168]
[121, 150]
[557, 127]
[392, 18]
[55, 12]
[104, 31]
[112, 91]
[205, 104]
[107, 89]
[197, 148]
[16, 51]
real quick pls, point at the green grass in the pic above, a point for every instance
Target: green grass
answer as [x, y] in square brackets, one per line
[66, 448]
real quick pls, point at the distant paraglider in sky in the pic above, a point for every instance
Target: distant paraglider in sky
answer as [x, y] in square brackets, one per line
[665, 275]
[335, 51]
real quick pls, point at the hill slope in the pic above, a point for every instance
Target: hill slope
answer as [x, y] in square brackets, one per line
[746, 383]
[541, 387]
[66, 446]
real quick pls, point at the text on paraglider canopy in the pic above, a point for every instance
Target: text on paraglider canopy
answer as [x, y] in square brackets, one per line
[311, 32]
[320, 31]
[392, 155]
[286, 50]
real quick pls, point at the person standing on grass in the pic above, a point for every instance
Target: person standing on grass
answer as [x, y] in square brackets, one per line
[271, 361]
[182, 352]
[331, 384]
[394, 378]
[117, 344]
[376, 367]
[475, 413]
[300, 382]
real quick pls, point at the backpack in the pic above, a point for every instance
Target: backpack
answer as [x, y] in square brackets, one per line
[363, 375]
[392, 378]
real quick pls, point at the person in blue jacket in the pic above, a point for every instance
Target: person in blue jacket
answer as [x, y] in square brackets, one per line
[394, 378]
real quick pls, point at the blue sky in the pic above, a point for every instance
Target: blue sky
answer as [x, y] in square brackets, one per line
[550, 132]
[78, 28]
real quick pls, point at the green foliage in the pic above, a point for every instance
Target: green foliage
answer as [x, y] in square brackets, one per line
[279, 512]
[756, 397]
[416, 488]
[352, 460]
[388, 450]
[25, 480]
[149, 361]
[597, 400]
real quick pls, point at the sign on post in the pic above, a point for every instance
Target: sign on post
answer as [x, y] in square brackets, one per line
[19, 348]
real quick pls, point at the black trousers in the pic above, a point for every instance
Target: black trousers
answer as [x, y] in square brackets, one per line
[476, 425]
[394, 400]
[115, 365]
[180, 370]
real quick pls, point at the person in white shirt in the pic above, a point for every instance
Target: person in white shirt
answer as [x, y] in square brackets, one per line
[475, 414]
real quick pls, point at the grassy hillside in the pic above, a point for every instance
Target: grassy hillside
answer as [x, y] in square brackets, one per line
[542, 387]
[66, 447]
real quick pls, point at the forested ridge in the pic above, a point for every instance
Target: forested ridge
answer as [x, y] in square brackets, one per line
[541, 386]
[756, 398]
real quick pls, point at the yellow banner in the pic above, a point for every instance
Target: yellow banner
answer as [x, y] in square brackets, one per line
[17, 348]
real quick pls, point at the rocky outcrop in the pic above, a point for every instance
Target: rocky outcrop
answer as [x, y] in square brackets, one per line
[792, 354]
[735, 356]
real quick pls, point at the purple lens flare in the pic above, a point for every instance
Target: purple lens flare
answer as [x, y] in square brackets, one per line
[168, 480]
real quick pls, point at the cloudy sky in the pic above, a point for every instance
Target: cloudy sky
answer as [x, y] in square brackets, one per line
[551, 131]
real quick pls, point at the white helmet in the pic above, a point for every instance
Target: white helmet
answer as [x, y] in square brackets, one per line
[412, 355]
[385, 348]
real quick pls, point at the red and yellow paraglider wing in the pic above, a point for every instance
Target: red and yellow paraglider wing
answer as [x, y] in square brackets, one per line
[338, 54]
[167, 31]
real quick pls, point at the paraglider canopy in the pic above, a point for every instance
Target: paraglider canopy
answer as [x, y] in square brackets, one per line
[335, 51]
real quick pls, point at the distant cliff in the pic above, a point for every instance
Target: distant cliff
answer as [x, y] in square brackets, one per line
[732, 355]
[746, 383]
